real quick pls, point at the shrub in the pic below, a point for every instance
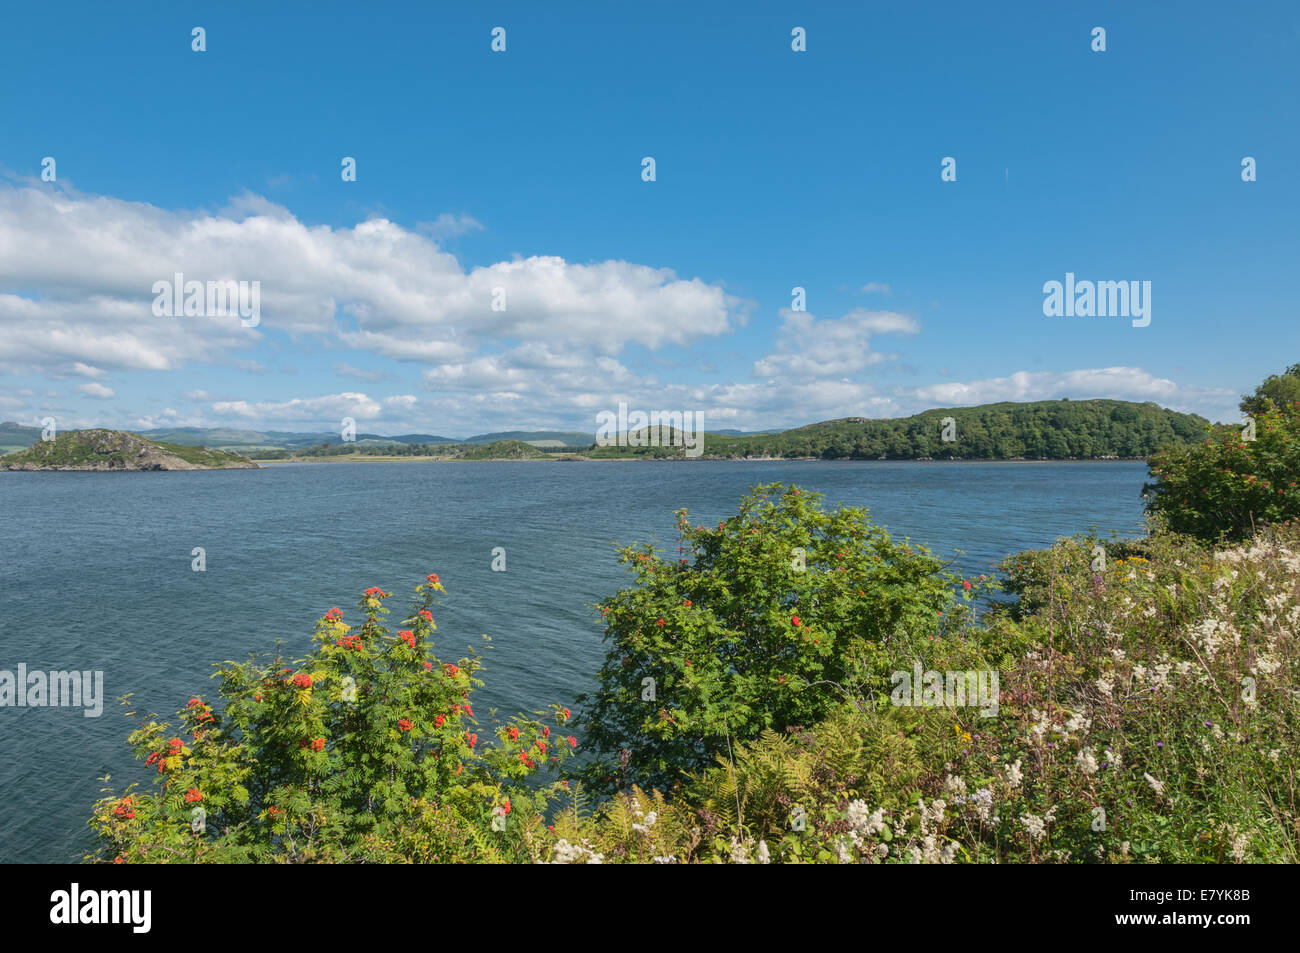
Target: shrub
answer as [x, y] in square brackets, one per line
[779, 614]
[1230, 484]
[365, 750]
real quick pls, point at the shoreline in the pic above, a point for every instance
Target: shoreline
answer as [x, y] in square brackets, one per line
[646, 459]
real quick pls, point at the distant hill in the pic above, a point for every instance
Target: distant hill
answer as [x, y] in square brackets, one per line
[1037, 430]
[15, 436]
[502, 450]
[104, 450]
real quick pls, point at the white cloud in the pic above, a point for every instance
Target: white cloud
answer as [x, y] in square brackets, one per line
[93, 261]
[449, 226]
[330, 407]
[808, 348]
[96, 390]
[877, 287]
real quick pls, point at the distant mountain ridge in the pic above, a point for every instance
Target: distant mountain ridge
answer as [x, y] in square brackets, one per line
[1052, 429]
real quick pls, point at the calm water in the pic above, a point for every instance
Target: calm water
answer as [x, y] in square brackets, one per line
[95, 574]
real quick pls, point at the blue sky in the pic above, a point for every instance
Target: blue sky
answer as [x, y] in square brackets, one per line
[521, 170]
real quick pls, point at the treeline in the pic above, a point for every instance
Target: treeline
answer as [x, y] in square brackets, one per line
[1052, 430]
[365, 450]
[1042, 430]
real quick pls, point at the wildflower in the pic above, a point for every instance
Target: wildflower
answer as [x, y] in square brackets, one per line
[1034, 825]
[763, 854]
[1086, 761]
[1157, 786]
[1014, 774]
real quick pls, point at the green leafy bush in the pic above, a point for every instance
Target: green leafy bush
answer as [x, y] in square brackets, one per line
[779, 614]
[365, 750]
[1233, 483]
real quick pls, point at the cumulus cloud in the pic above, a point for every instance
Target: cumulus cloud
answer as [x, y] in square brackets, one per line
[330, 406]
[93, 260]
[831, 348]
[96, 390]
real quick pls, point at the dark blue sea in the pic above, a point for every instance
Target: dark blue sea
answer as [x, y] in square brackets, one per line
[95, 574]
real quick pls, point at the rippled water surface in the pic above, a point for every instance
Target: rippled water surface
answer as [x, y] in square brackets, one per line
[95, 575]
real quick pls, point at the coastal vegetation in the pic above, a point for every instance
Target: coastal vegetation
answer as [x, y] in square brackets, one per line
[748, 708]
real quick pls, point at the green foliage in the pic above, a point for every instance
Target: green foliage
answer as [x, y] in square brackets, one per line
[784, 611]
[364, 750]
[1282, 389]
[1049, 429]
[1231, 484]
